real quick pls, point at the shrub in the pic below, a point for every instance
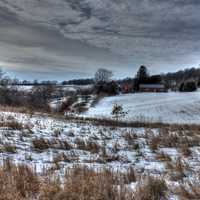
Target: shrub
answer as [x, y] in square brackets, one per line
[13, 124]
[89, 145]
[190, 189]
[40, 144]
[151, 189]
[189, 86]
[104, 88]
[9, 148]
[18, 182]
[117, 111]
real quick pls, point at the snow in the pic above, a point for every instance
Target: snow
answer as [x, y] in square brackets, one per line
[172, 107]
[142, 159]
[45, 127]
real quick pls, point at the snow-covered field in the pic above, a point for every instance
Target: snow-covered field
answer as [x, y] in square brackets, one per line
[51, 143]
[152, 107]
[55, 144]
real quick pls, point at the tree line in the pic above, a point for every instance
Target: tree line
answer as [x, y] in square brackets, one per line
[172, 80]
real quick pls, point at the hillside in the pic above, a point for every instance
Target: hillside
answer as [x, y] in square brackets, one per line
[152, 107]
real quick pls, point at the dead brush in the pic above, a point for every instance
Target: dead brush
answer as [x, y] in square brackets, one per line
[62, 157]
[130, 137]
[148, 133]
[116, 148]
[177, 169]
[17, 182]
[89, 145]
[9, 148]
[154, 142]
[185, 150]
[129, 176]
[189, 190]
[163, 157]
[13, 124]
[59, 144]
[50, 189]
[171, 140]
[80, 143]
[84, 182]
[151, 188]
[92, 146]
[177, 138]
[105, 157]
[40, 144]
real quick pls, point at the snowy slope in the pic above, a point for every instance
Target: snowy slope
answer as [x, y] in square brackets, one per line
[164, 107]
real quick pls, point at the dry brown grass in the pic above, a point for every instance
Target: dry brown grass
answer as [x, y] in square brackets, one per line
[106, 157]
[83, 183]
[130, 137]
[9, 148]
[20, 182]
[12, 124]
[177, 169]
[185, 150]
[62, 157]
[189, 190]
[130, 176]
[151, 189]
[170, 138]
[80, 183]
[163, 157]
[17, 182]
[88, 145]
[154, 143]
[41, 144]
[14, 109]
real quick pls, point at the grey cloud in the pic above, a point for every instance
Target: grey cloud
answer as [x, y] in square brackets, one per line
[82, 35]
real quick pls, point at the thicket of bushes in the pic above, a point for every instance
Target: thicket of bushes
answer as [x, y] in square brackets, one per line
[36, 99]
[106, 88]
[189, 86]
[80, 183]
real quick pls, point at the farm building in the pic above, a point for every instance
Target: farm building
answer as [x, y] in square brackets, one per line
[152, 88]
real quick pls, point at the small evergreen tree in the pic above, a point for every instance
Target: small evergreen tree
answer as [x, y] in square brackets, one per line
[142, 74]
[118, 111]
[141, 77]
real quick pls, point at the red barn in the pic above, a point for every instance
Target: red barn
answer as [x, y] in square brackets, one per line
[152, 88]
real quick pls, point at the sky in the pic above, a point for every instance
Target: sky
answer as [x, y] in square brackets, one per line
[70, 39]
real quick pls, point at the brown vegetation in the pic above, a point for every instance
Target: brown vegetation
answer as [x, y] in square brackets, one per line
[151, 189]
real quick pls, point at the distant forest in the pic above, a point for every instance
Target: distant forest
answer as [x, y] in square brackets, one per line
[176, 78]
[172, 79]
[169, 79]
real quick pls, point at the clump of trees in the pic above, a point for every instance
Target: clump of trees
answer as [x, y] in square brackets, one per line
[188, 86]
[175, 79]
[103, 83]
[37, 99]
[88, 81]
[143, 77]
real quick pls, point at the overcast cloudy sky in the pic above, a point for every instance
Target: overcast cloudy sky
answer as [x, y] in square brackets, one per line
[65, 39]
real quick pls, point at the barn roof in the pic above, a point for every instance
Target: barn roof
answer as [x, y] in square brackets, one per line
[152, 86]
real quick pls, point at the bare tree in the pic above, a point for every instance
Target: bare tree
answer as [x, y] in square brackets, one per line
[103, 75]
